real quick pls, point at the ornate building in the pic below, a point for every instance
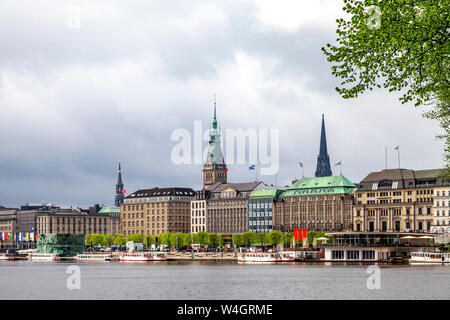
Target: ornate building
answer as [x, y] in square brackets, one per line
[323, 160]
[396, 200]
[157, 210]
[215, 169]
[321, 204]
[118, 199]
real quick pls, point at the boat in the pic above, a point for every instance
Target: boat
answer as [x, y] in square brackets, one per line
[36, 256]
[93, 257]
[6, 256]
[429, 257]
[261, 257]
[143, 256]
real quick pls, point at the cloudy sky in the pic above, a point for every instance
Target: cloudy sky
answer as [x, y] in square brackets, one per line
[77, 93]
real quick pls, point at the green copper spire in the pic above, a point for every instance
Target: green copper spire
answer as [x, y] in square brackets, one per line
[215, 119]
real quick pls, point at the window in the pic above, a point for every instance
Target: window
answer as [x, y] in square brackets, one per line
[353, 255]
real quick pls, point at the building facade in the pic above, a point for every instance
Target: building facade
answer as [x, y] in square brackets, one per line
[441, 212]
[396, 200]
[227, 207]
[8, 223]
[69, 221]
[157, 210]
[260, 209]
[320, 204]
[198, 211]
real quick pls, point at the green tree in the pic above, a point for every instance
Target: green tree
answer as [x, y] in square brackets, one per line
[137, 237]
[180, 239]
[401, 46]
[90, 240]
[119, 239]
[108, 240]
[172, 239]
[238, 240]
[188, 240]
[220, 240]
[287, 238]
[202, 237]
[247, 237]
[274, 237]
[98, 239]
[213, 240]
[149, 239]
[261, 239]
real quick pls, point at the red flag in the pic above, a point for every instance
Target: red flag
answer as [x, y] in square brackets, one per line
[123, 191]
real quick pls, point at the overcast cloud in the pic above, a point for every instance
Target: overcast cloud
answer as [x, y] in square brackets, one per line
[74, 101]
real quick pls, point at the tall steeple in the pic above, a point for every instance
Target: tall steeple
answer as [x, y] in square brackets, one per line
[119, 197]
[215, 169]
[323, 160]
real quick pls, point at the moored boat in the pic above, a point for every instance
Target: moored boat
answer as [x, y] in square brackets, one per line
[6, 256]
[429, 257]
[36, 256]
[143, 256]
[93, 257]
[263, 257]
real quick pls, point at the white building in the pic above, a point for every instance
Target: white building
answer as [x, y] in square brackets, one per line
[441, 213]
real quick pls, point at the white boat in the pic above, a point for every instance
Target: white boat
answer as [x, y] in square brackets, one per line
[93, 257]
[43, 256]
[429, 257]
[143, 256]
[6, 256]
[262, 257]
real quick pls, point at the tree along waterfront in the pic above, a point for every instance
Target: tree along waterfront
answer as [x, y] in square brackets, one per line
[204, 240]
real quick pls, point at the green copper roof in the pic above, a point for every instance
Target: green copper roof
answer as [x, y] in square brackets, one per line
[266, 193]
[109, 210]
[320, 185]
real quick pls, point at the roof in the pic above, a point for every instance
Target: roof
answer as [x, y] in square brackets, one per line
[109, 210]
[239, 187]
[321, 186]
[266, 193]
[400, 179]
[160, 192]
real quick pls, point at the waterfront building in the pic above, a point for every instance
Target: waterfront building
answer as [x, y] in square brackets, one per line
[198, 210]
[396, 200]
[119, 196]
[323, 160]
[375, 246]
[321, 204]
[70, 221]
[215, 170]
[157, 210]
[441, 212]
[114, 221]
[260, 209]
[227, 207]
[8, 225]
[27, 216]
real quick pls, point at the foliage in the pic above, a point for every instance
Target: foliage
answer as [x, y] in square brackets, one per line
[408, 50]
[247, 238]
[238, 240]
[119, 239]
[274, 237]
[138, 237]
[213, 240]
[287, 238]
[202, 237]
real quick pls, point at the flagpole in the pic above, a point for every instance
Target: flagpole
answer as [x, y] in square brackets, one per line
[398, 154]
[385, 157]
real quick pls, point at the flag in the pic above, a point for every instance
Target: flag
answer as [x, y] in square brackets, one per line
[10, 236]
[338, 164]
[397, 147]
[301, 164]
[225, 170]
[21, 236]
[123, 191]
[31, 238]
[252, 167]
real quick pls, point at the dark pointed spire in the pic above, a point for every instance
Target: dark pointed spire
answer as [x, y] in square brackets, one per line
[119, 197]
[323, 160]
[215, 119]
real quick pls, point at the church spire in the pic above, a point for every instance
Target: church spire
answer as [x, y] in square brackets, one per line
[119, 197]
[215, 169]
[323, 160]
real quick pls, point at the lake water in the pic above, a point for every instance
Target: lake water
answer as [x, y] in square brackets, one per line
[209, 280]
